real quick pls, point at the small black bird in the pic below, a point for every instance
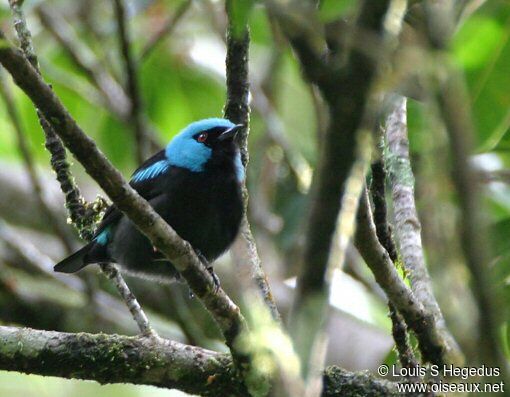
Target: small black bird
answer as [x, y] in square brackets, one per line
[195, 185]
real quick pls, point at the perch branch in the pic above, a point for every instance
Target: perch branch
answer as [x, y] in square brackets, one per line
[164, 238]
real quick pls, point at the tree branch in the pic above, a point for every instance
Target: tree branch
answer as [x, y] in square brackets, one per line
[164, 238]
[407, 223]
[399, 328]
[431, 343]
[346, 91]
[237, 110]
[118, 359]
[82, 216]
[138, 360]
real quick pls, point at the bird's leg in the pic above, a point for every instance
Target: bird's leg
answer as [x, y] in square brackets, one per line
[210, 269]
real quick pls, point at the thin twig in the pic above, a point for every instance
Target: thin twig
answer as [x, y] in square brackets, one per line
[79, 212]
[134, 307]
[133, 89]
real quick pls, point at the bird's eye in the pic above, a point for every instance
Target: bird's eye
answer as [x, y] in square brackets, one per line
[202, 137]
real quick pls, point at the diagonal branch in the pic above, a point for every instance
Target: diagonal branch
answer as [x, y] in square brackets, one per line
[163, 237]
[399, 328]
[82, 216]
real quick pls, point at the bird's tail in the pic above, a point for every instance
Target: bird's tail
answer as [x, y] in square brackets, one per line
[74, 262]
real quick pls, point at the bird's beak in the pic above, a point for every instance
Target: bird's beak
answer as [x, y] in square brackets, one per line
[230, 133]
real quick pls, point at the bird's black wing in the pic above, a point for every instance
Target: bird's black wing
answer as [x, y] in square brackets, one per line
[145, 181]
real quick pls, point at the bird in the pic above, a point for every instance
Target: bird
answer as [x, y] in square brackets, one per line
[194, 184]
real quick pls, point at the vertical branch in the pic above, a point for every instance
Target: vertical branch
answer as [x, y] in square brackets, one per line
[237, 110]
[133, 89]
[407, 223]
[378, 193]
[82, 217]
[345, 228]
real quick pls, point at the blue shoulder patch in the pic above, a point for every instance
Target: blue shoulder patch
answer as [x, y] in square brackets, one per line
[239, 168]
[103, 238]
[151, 172]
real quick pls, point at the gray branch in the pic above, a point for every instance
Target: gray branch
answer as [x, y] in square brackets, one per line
[145, 361]
[79, 212]
[164, 238]
[407, 223]
[431, 342]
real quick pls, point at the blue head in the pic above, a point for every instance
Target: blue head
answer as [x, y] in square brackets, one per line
[194, 146]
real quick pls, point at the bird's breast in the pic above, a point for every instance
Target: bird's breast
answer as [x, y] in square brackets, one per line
[204, 209]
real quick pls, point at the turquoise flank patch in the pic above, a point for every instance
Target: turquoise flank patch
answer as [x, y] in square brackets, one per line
[151, 172]
[104, 237]
[239, 168]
